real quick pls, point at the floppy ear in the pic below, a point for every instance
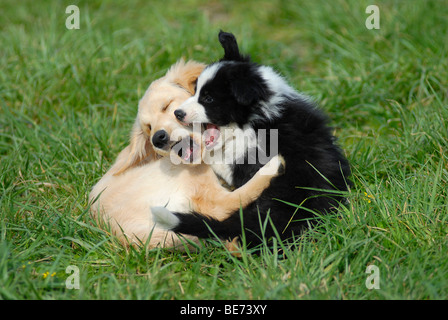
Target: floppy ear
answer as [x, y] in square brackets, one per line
[185, 74]
[138, 150]
[231, 50]
[248, 90]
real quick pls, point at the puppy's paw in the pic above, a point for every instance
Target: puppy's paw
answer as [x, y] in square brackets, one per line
[275, 167]
[164, 218]
[233, 247]
[281, 165]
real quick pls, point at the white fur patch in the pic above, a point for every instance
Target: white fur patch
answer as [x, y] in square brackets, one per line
[206, 75]
[233, 144]
[224, 171]
[281, 89]
[164, 218]
[276, 82]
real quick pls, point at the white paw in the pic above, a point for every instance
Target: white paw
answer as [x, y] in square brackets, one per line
[164, 218]
[274, 167]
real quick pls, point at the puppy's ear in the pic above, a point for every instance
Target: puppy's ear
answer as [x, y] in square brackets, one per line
[231, 50]
[138, 150]
[248, 89]
[185, 74]
[244, 94]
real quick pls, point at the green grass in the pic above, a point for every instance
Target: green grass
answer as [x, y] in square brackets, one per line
[68, 99]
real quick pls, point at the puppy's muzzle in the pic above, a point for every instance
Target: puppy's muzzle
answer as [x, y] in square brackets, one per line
[160, 139]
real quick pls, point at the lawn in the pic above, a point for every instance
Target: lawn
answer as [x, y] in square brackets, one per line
[68, 98]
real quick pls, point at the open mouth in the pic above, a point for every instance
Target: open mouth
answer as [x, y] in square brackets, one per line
[211, 134]
[187, 149]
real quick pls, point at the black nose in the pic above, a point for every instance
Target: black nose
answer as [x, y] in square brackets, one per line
[180, 114]
[160, 138]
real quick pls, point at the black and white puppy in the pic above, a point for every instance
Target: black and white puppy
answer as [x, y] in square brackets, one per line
[249, 110]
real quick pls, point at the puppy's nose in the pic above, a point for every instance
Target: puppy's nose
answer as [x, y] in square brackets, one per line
[160, 138]
[180, 114]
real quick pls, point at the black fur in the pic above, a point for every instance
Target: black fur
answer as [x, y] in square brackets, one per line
[231, 50]
[313, 161]
[235, 90]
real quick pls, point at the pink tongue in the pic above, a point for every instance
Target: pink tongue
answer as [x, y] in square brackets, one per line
[187, 153]
[211, 134]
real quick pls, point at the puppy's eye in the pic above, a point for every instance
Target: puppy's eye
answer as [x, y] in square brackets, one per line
[149, 127]
[166, 106]
[207, 99]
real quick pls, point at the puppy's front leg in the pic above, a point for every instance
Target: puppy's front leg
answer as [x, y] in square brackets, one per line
[221, 203]
[253, 188]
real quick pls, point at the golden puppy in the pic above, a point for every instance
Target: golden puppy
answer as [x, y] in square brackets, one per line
[144, 175]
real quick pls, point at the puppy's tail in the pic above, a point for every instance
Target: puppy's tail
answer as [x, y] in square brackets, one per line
[193, 223]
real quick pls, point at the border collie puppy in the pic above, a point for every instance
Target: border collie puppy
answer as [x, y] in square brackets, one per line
[254, 102]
